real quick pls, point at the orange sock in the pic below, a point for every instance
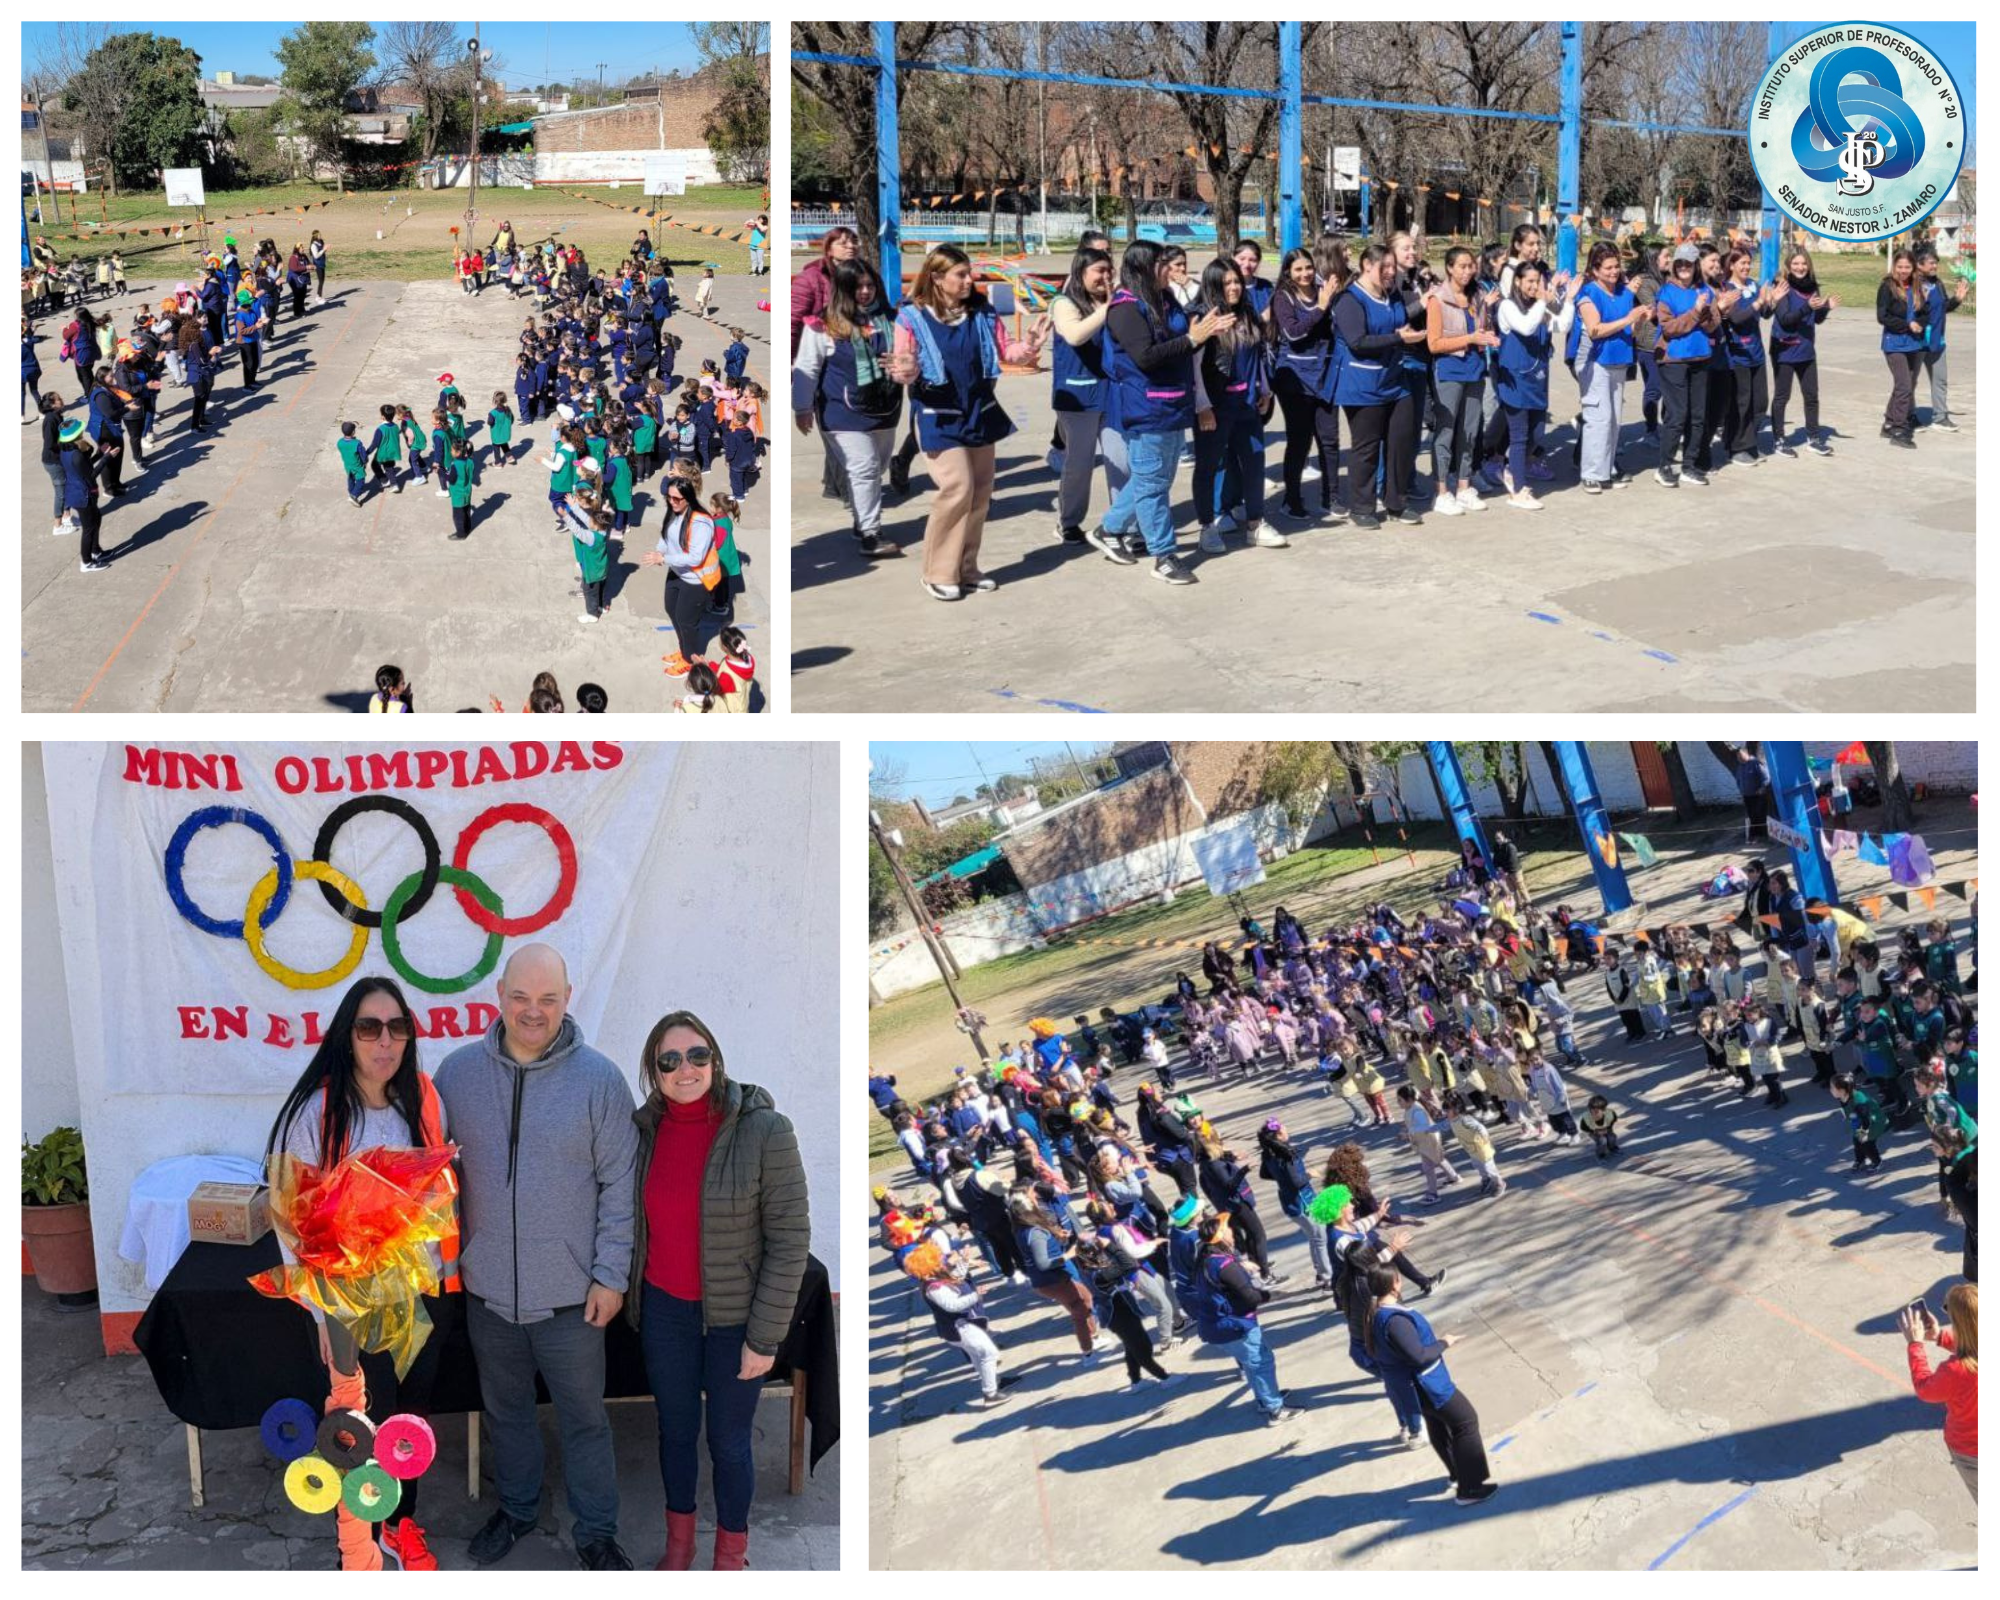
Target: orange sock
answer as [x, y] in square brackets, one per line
[358, 1550]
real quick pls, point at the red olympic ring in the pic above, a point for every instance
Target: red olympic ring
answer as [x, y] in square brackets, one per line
[558, 902]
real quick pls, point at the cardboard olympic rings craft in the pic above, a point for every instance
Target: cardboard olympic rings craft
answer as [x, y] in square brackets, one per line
[405, 1446]
[346, 1439]
[312, 1485]
[371, 1494]
[288, 1429]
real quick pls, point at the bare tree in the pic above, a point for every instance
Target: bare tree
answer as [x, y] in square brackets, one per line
[1898, 815]
[1720, 65]
[427, 59]
[95, 101]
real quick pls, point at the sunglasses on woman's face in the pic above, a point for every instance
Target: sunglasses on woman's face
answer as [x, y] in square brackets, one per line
[670, 1060]
[369, 1029]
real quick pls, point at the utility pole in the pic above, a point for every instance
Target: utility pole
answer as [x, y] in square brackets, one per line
[1077, 766]
[600, 78]
[947, 968]
[472, 203]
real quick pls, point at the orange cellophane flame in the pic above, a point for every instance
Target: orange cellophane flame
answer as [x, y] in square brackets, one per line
[359, 1231]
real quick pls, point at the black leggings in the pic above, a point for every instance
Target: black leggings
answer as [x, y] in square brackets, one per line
[199, 419]
[87, 524]
[1385, 433]
[1684, 402]
[1181, 1170]
[1131, 1331]
[687, 609]
[1248, 1230]
[1454, 1431]
[1807, 373]
[1904, 365]
[387, 1396]
[461, 522]
[1309, 421]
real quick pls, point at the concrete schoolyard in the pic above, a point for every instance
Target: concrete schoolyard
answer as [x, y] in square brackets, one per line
[105, 1481]
[1685, 1358]
[241, 580]
[1842, 584]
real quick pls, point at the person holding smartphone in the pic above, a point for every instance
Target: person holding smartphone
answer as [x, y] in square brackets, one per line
[1955, 1384]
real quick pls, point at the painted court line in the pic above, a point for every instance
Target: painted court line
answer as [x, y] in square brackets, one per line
[1716, 1515]
[201, 533]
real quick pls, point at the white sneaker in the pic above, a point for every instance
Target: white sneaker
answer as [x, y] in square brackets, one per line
[1211, 541]
[1018, 1277]
[1310, 475]
[1266, 537]
[1447, 506]
[1226, 523]
[1524, 500]
[1469, 499]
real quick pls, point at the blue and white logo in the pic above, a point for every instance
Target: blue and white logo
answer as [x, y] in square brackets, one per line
[1857, 132]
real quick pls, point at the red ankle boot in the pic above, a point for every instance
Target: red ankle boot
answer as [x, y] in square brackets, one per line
[680, 1543]
[731, 1550]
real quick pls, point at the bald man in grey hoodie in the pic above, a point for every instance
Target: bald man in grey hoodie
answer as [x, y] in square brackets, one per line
[546, 1145]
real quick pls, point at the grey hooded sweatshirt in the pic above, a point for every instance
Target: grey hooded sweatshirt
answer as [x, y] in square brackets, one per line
[545, 1172]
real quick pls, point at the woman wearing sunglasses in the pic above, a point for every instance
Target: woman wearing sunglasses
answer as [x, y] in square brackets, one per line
[717, 1258]
[363, 1090]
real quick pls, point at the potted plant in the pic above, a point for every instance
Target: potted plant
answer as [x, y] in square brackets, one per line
[55, 1216]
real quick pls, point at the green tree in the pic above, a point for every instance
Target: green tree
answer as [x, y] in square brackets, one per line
[256, 155]
[138, 96]
[738, 126]
[324, 62]
[1299, 775]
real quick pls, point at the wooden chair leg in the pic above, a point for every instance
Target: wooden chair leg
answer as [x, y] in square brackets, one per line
[798, 1441]
[472, 1455]
[197, 1491]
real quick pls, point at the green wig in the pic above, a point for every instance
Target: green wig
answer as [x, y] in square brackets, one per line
[1329, 1203]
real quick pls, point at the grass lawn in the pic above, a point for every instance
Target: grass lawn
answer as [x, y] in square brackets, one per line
[416, 224]
[911, 1035]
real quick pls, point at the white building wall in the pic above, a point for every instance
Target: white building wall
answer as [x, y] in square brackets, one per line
[623, 166]
[899, 961]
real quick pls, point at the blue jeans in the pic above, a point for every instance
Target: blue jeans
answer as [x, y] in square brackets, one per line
[1229, 465]
[569, 1355]
[1260, 1370]
[1145, 504]
[683, 1363]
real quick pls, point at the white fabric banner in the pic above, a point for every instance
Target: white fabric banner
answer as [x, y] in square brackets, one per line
[702, 875]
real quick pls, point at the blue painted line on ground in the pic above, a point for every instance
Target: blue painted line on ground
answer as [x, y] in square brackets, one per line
[1716, 1515]
[1604, 636]
[1073, 705]
[1584, 1390]
[1501, 1444]
[1543, 616]
[1661, 655]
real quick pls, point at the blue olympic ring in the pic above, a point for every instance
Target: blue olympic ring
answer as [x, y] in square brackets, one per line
[217, 817]
[1834, 107]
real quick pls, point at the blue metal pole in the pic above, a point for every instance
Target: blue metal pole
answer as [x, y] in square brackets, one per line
[1569, 149]
[888, 162]
[1367, 206]
[1796, 806]
[1599, 842]
[1451, 784]
[1770, 226]
[1291, 135]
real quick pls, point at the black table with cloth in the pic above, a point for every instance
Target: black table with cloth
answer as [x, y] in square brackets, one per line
[221, 1353]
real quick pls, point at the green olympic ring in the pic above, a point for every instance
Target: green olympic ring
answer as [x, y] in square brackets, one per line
[392, 944]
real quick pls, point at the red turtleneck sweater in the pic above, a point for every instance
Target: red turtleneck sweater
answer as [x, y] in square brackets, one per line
[673, 1198]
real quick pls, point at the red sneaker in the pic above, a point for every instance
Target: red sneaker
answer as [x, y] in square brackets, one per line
[403, 1541]
[677, 665]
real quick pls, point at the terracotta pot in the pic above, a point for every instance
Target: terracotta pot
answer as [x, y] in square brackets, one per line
[59, 1244]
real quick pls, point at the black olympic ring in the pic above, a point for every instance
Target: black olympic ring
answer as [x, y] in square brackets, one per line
[345, 812]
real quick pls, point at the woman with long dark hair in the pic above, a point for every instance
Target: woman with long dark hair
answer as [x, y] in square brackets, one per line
[1080, 378]
[1303, 372]
[1372, 327]
[1410, 1355]
[363, 1090]
[1232, 401]
[1458, 341]
[719, 1249]
[840, 380]
[950, 343]
[1900, 309]
[1608, 311]
[1152, 345]
[1795, 323]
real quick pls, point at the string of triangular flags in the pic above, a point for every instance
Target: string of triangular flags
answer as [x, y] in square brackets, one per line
[664, 219]
[178, 230]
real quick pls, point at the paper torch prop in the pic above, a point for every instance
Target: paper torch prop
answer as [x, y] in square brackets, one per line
[359, 1230]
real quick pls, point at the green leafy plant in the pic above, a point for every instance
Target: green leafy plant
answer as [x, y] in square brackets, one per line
[52, 1171]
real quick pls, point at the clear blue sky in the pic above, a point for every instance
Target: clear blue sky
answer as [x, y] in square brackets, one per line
[1953, 42]
[933, 773]
[572, 51]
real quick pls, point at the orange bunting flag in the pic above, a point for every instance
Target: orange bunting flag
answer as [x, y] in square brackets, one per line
[1930, 897]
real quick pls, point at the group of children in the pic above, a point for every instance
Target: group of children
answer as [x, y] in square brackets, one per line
[452, 458]
[1469, 1010]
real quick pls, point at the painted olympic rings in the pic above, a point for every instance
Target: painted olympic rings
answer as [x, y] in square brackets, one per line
[409, 892]
[370, 1493]
[312, 1484]
[565, 869]
[216, 817]
[339, 817]
[253, 936]
[272, 892]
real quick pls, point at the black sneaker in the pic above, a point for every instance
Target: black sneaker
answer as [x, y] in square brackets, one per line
[494, 1540]
[1694, 476]
[1820, 447]
[1788, 452]
[1473, 1497]
[1745, 458]
[899, 477]
[871, 544]
[1366, 521]
[603, 1556]
[1410, 518]
[1902, 440]
[1068, 535]
[1112, 544]
[1171, 569]
[1666, 477]
[1334, 514]
[1592, 486]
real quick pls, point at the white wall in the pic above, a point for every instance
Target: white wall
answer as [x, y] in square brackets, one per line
[899, 961]
[48, 1058]
[626, 166]
[752, 950]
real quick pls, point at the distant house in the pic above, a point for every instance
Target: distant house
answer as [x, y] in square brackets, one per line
[943, 817]
[226, 94]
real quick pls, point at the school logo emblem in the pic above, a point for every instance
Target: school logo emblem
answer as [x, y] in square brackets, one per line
[1857, 132]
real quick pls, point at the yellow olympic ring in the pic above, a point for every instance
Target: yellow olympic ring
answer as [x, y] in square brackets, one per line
[260, 897]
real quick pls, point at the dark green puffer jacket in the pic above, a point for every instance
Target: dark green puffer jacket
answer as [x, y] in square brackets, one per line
[755, 1228]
